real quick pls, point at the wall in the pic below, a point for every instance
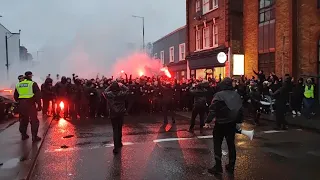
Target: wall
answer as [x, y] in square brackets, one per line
[13, 49]
[308, 36]
[250, 35]
[218, 13]
[174, 38]
[283, 58]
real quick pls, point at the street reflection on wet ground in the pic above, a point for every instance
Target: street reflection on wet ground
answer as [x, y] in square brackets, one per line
[83, 150]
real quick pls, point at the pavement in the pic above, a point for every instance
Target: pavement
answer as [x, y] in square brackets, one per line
[17, 157]
[83, 150]
[4, 124]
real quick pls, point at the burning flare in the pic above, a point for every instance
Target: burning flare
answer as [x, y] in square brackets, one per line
[140, 73]
[166, 72]
[61, 105]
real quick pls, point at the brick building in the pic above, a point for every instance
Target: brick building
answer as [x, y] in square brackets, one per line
[171, 50]
[282, 36]
[213, 27]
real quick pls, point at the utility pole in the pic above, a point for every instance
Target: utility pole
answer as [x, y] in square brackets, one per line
[143, 43]
[144, 47]
[7, 57]
[38, 55]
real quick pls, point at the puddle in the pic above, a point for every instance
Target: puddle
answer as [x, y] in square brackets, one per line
[11, 163]
[69, 136]
[83, 143]
[64, 146]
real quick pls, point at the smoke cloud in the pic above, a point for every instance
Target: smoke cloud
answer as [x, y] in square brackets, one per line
[87, 38]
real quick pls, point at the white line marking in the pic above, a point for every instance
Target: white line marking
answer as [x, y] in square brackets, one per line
[93, 147]
[171, 139]
[272, 131]
[205, 137]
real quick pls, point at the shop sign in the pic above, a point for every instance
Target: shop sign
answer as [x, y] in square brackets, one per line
[222, 57]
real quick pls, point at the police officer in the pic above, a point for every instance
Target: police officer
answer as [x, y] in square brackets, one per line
[28, 94]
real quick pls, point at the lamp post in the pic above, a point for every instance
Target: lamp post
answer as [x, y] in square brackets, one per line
[38, 55]
[142, 29]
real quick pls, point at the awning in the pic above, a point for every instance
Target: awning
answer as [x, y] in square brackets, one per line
[206, 59]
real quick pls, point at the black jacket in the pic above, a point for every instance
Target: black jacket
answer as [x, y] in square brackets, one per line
[200, 96]
[116, 101]
[226, 105]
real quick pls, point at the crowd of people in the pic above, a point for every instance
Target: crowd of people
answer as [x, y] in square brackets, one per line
[84, 98]
[220, 100]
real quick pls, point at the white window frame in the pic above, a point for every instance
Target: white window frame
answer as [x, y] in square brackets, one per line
[215, 4]
[198, 5]
[182, 56]
[198, 40]
[171, 54]
[205, 6]
[155, 55]
[162, 57]
[215, 32]
[204, 37]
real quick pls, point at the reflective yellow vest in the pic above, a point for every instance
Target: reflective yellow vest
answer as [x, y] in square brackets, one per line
[308, 93]
[24, 89]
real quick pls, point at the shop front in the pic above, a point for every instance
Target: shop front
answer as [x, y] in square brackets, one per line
[205, 65]
[178, 70]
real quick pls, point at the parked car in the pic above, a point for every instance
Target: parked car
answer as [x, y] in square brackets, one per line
[8, 106]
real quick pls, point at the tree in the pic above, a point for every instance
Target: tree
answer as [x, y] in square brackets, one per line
[149, 49]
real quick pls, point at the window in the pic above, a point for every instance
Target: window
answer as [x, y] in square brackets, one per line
[215, 4]
[205, 6]
[182, 52]
[162, 57]
[198, 5]
[266, 62]
[171, 54]
[155, 55]
[266, 42]
[215, 35]
[266, 3]
[198, 40]
[217, 71]
[182, 73]
[266, 26]
[206, 38]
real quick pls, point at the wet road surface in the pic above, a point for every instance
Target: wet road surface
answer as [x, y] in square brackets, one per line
[83, 150]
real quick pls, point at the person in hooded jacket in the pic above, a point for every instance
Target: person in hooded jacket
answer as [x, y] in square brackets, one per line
[281, 95]
[199, 93]
[227, 109]
[47, 95]
[297, 97]
[167, 101]
[61, 91]
[116, 94]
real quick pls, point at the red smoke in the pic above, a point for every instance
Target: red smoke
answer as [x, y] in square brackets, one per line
[137, 64]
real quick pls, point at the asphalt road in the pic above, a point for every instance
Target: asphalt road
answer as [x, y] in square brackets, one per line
[83, 150]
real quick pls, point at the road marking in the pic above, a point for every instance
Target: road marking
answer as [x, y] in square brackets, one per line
[271, 131]
[205, 137]
[171, 139]
[92, 147]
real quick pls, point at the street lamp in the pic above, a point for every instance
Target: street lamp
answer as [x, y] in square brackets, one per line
[142, 28]
[38, 55]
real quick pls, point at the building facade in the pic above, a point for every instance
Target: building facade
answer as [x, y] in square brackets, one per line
[282, 36]
[8, 47]
[171, 51]
[214, 27]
